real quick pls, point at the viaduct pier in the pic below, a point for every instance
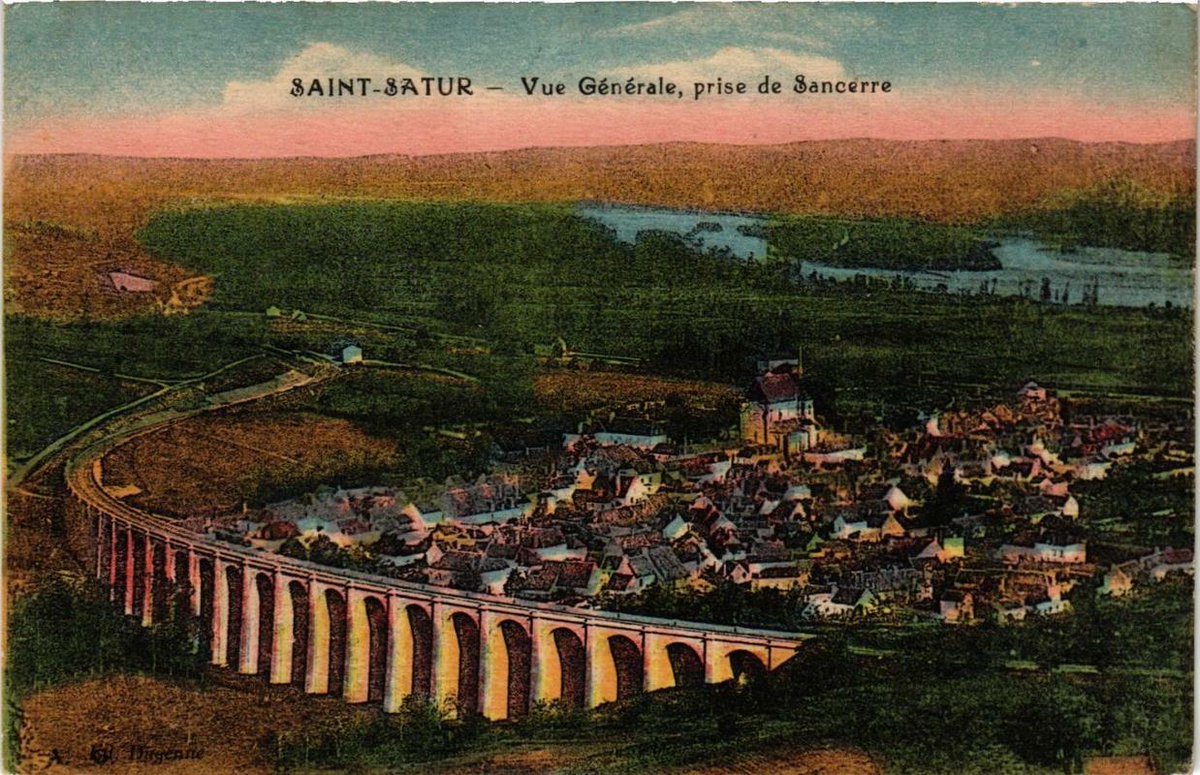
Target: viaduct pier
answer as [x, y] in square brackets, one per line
[375, 639]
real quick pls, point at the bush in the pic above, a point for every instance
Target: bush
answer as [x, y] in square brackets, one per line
[66, 629]
[419, 732]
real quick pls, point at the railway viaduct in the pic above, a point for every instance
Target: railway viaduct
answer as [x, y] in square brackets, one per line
[374, 639]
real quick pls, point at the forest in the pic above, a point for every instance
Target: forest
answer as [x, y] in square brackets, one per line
[885, 244]
[1115, 213]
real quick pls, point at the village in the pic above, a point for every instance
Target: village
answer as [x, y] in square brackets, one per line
[970, 515]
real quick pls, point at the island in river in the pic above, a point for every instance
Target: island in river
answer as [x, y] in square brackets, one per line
[884, 244]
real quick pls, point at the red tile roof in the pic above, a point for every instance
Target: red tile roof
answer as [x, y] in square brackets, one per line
[775, 387]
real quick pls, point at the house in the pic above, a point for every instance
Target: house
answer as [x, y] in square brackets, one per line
[1011, 611]
[836, 456]
[894, 526]
[551, 544]
[352, 353]
[658, 564]
[621, 584]
[955, 606]
[1118, 449]
[1051, 488]
[1032, 391]
[455, 568]
[487, 503]
[580, 577]
[313, 524]
[675, 529]
[797, 492]
[896, 500]
[635, 432]
[856, 525]
[494, 573]
[952, 549]
[423, 515]
[278, 530]
[131, 283]
[785, 576]
[357, 530]
[717, 471]
[1090, 470]
[1116, 583]
[1171, 561]
[633, 487]
[1035, 508]
[1049, 548]
[1052, 602]
[614, 565]
[1061, 549]
[844, 601]
[572, 577]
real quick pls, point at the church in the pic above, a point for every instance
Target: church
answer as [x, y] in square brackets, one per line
[778, 412]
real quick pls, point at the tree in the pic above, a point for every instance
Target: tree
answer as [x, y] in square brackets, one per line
[515, 582]
[949, 499]
[1055, 726]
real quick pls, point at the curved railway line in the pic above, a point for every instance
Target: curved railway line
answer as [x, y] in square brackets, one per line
[370, 638]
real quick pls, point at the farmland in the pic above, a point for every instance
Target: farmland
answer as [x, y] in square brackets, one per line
[573, 392]
[37, 416]
[210, 465]
[362, 428]
[57, 271]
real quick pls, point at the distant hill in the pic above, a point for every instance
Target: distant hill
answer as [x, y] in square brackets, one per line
[953, 180]
[59, 202]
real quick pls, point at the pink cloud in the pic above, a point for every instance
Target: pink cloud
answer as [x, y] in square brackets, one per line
[506, 122]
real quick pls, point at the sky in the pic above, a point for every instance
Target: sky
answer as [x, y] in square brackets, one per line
[213, 80]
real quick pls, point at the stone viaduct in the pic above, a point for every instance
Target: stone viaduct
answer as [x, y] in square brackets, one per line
[375, 639]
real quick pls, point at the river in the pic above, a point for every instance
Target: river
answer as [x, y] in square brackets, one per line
[1126, 278]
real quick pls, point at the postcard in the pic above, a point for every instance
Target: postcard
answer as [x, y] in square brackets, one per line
[599, 388]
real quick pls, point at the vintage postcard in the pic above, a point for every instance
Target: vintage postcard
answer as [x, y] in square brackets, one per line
[599, 388]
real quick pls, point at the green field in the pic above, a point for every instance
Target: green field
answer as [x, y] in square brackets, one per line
[99, 366]
[37, 416]
[521, 276]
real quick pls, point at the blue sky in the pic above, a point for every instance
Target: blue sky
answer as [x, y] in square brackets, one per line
[101, 57]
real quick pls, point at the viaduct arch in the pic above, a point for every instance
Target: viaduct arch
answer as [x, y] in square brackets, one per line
[371, 639]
